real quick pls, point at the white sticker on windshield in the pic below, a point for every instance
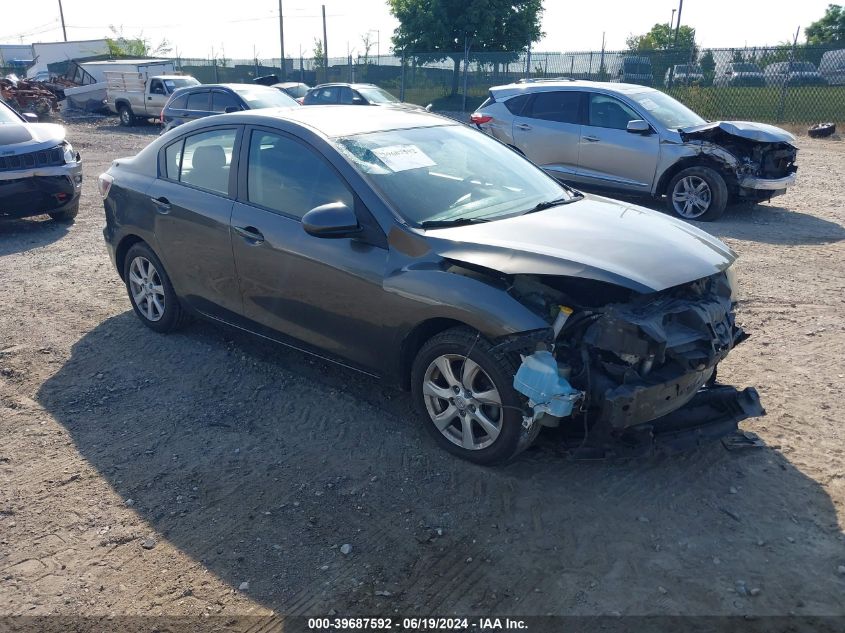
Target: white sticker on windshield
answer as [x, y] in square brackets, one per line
[648, 104]
[403, 157]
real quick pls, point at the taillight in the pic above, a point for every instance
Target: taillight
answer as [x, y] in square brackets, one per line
[478, 118]
[104, 183]
[161, 117]
[300, 100]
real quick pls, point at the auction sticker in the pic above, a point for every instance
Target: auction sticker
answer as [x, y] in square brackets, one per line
[403, 157]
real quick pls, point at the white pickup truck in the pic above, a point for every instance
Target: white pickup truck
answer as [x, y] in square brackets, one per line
[138, 96]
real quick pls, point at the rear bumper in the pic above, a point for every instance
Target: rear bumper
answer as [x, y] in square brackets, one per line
[767, 184]
[52, 189]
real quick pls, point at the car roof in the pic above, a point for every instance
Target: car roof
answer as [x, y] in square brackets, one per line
[510, 90]
[185, 89]
[341, 83]
[288, 84]
[339, 120]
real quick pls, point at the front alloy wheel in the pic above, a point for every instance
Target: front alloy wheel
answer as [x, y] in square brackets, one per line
[691, 197]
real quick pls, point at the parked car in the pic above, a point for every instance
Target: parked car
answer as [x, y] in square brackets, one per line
[352, 94]
[417, 249]
[793, 74]
[739, 74]
[39, 170]
[639, 140]
[136, 96]
[293, 89]
[684, 75]
[832, 67]
[635, 69]
[188, 104]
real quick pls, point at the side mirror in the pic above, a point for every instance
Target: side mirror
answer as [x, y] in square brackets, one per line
[428, 107]
[30, 117]
[230, 109]
[638, 126]
[330, 220]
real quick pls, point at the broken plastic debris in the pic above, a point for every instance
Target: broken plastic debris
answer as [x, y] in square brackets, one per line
[539, 379]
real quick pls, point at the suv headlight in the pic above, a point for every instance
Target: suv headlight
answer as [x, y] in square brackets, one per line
[69, 155]
[730, 273]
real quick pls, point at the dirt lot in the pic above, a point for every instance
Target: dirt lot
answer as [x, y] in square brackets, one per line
[148, 474]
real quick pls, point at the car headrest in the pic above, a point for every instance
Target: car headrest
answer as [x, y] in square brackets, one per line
[209, 157]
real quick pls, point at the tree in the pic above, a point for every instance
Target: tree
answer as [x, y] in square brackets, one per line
[121, 46]
[708, 66]
[319, 55]
[440, 29]
[830, 28]
[367, 44]
[661, 37]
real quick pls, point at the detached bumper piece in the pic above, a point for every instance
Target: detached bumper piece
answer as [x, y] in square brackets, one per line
[712, 414]
[39, 194]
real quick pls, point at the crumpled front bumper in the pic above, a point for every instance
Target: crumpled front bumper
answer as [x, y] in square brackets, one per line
[767, 184]
[40, 190]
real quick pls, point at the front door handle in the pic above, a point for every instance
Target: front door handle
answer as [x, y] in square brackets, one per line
[162, 205]
[250, 234]
[523, 126]
[592, 139]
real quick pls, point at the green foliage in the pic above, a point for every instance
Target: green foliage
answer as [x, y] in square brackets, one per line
[830, 28]
[121, 46]
[661, 37]
[319, 55]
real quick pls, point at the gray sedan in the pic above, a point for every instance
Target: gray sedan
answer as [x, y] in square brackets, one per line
[633, 139]
[416, 249]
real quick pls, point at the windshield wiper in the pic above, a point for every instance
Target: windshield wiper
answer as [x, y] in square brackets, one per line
[575, 195]
[435, 224]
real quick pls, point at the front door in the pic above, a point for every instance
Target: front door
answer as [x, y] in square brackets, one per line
[548, 129]
[191, 204]
[609, 155]
[319, 290]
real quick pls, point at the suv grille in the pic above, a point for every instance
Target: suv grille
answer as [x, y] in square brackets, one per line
[45, 158]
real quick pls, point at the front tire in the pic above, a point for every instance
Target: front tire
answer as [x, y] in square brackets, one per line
[67, 214]
[697, 193]
[127, 119]
[465, 394]
[150, 291]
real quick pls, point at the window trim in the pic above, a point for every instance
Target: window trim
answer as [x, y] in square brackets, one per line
[233, 165]
[586, 105]
[583, 98]
[242, 194]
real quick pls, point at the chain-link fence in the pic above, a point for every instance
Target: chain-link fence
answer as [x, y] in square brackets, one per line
[782, 84]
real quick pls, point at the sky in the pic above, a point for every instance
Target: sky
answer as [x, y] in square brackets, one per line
[248, 28]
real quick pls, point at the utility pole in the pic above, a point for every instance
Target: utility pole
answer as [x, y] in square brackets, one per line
[678, 25]
[62, 15]
[282, 39]
[672, 21]
[325, 48]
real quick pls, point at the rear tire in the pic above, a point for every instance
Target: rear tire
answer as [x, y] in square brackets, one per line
[697, 193]
[470, 407]
[150, 291]
[67, 214]
[127, 118]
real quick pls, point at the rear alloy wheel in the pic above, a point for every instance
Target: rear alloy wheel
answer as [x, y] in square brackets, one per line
[698, 193]
[150, 290]
[465, 393]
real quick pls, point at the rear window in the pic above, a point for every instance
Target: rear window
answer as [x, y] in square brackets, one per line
[516, 104]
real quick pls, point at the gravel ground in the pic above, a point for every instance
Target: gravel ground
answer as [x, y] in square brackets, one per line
[207, 472]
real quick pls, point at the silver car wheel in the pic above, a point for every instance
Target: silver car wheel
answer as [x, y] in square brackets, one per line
[146, 288]
[462, 401]
[691, 197]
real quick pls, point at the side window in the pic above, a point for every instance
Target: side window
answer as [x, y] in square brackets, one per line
[178, 103]
[173, 159]
[198, 101]
[156, 87]
[346, 95]
[288, 177]
[609, 112]
[206, 160]
[221, 100]
[325, 95]
[516, 104]
[562, 106]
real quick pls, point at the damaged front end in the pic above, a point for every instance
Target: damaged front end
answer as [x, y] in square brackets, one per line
[758, 159]
[629, 368]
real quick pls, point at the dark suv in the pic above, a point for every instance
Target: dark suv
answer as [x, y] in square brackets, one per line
[197, 102]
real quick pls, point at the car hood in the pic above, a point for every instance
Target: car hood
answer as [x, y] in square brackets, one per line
[760, 132]
[594, 238]
[29, 137]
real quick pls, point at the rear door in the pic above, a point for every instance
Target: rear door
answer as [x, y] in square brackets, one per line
[548, 129]
[318, 290]
[198, 106]
[609, 155]
[192, 206]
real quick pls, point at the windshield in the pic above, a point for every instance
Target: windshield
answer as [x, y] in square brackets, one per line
[7, 115]
[377, 95]
[804, 67]
[666, 110]
[264, 97]
[746, 68]
[181, 82]
[633, 67]
[296, 91]
[683, 68]
[449, 173]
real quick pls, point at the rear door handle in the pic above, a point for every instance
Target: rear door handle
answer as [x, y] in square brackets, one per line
[162, 205]
[592, 139]
[523, 126]
[250, 234]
